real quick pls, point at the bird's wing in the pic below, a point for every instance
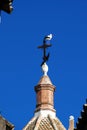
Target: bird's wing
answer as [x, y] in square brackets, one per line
[48, 37]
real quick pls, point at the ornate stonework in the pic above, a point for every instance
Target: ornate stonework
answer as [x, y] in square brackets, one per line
[44, 123]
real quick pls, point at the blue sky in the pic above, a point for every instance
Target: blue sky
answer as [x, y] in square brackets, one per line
[20, 34]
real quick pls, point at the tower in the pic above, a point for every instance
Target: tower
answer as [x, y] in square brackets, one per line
[45, 114]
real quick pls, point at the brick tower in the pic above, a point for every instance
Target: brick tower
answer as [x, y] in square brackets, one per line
[45, 94]
[45, 114]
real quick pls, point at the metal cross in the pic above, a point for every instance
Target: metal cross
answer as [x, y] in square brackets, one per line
[44, 47]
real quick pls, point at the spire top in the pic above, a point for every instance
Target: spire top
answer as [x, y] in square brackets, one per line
[44, 47]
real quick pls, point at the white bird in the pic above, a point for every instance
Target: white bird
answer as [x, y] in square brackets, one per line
[48, 37]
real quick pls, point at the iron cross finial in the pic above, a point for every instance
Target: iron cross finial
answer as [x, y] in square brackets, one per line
[44, 47]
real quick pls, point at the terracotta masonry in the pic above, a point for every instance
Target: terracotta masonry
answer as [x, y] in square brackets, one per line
[45, 94]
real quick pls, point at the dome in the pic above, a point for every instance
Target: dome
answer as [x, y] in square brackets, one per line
[44, 123]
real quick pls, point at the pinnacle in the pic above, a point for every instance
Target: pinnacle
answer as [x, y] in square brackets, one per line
[45, 80]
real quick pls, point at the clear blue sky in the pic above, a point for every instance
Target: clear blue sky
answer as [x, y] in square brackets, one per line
[20, 34]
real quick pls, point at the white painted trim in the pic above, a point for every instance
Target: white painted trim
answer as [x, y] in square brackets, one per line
[45, 113]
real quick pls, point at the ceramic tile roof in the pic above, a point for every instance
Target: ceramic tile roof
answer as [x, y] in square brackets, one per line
[31, 124]
[45, 123]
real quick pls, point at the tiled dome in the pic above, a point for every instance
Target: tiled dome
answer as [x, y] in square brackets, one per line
[44, 123]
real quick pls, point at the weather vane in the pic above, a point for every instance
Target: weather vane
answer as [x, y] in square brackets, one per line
[44, 47]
